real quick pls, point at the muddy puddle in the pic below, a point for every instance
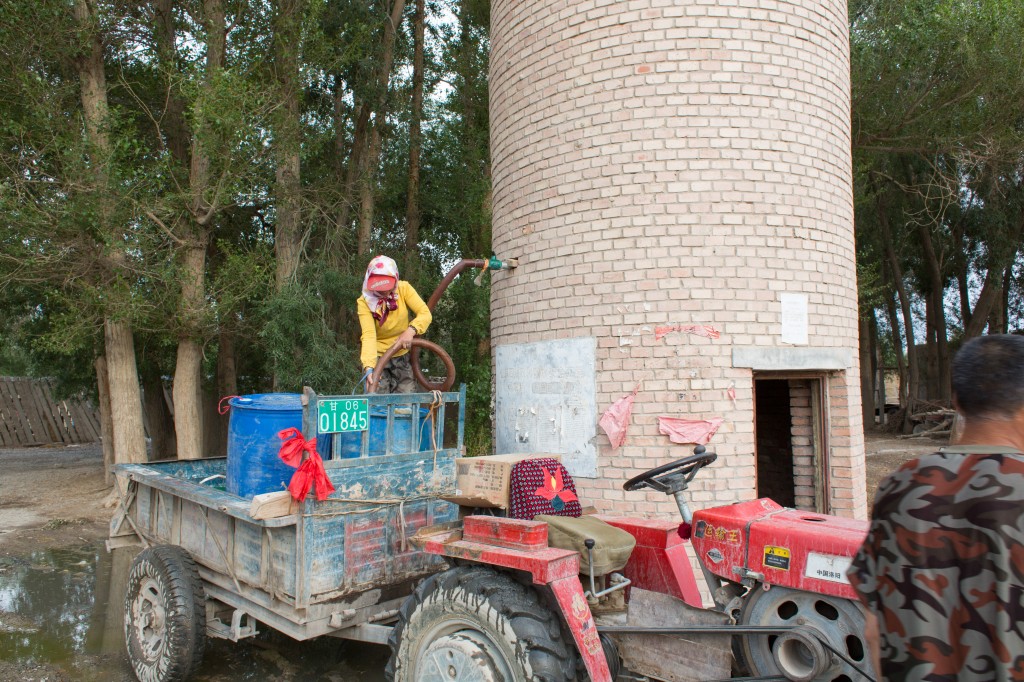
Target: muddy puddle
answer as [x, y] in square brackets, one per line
[61, 619]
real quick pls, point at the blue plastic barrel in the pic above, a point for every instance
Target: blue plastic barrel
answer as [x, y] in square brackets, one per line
[402, 435]
[254, 466]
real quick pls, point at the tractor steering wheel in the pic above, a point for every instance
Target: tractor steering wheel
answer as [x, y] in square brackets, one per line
[674, 476]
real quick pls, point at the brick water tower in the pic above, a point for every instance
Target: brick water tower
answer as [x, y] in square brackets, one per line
[674, 177]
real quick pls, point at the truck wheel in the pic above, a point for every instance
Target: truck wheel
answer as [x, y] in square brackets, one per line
[164, 615]
[473, 624]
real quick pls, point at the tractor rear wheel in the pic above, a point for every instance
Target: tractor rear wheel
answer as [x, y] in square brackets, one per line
[800, 655]
[474, 624]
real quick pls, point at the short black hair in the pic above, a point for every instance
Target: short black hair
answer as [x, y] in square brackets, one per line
[988, 377]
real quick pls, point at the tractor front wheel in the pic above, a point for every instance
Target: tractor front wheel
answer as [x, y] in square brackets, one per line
[474, 624]
[826, 625]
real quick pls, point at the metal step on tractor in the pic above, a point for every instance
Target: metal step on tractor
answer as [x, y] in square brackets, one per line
[515, 606]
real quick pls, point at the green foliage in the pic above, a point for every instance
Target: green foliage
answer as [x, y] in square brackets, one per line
[14, 361]
[936, 74]
[938, 90]
[302, 348]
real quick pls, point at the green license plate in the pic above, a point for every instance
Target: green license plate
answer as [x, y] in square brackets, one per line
[340, 416]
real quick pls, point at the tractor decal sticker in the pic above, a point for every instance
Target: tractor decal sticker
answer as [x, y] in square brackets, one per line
[720, 534]
[828, 567]
[588, 633]
[776, 557]
[591, 640]
[698, 532]
[715, 556]
[579, 607]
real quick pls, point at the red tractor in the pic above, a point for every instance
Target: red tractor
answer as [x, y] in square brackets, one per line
[515, 607]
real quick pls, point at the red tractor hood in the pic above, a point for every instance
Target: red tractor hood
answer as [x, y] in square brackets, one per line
[797, 549]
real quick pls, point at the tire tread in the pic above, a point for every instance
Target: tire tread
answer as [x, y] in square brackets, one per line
[551, 657]
[185, 604]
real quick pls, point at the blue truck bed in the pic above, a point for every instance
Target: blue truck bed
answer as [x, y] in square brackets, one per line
[329, 568]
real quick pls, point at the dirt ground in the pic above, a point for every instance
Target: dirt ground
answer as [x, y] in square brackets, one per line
[51, 497]
[885, 453]
[54, 497]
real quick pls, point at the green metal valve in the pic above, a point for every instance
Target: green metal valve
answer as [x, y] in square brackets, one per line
[494, 263]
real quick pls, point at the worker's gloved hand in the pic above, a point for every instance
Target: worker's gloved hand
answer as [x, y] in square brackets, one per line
[405, 340]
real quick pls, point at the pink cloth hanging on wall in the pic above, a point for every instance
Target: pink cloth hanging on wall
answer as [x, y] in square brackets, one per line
[697, 431]
[615, 420]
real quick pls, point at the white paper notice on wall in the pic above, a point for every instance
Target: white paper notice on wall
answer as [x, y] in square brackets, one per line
[544, 401]
[794, 318]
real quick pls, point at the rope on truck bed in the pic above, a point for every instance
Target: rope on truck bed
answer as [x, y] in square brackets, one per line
[382, 503]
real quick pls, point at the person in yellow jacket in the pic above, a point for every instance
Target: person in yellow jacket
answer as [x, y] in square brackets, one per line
[383, 312]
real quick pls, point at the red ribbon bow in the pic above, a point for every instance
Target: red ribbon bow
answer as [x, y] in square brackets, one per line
[310, 473]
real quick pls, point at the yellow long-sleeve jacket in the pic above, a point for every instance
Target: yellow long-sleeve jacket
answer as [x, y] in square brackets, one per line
[377, 339]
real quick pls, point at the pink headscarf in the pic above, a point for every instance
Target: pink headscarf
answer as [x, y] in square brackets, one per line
[380, 305]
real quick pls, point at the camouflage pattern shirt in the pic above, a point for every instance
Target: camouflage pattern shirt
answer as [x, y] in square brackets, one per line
[943, 567]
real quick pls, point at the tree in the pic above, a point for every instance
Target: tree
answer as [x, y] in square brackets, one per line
[287, 137]
[121, 376]
[938, 143]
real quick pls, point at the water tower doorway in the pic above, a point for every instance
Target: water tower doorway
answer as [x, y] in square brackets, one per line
[790, 414]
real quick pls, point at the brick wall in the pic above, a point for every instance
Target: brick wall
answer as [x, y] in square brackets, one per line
[677, 162]
[804, 475]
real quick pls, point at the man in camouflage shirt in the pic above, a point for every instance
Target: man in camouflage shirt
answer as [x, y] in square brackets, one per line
[942, 568]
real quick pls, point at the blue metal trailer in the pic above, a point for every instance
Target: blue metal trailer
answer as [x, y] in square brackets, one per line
[339, 567]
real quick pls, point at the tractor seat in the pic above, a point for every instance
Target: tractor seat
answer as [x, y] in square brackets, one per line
[542, 489]
[612, 546]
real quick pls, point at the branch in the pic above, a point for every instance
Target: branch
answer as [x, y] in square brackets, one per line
[143, 106]
[177, 240]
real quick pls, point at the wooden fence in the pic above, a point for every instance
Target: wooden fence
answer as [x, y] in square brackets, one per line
[29, 415]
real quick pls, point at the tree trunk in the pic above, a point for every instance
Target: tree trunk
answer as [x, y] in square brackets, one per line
[287, 139]
[412, 204]
[965, 297]
[161, 423]
[986, 300]
[106, 425]
[367, 193]
[897, 343]
[936, 293]
[227, 383]
[125, 396]
[866, 379]
[896, 272]
[960, 268]
[174, 126]
[188, 423]
[992, 291]
[360, 142]
[368, 189]
[129, 440]
[227, 374]
[877, 368]
[1001, 321]
[186, 390]
[931, 355]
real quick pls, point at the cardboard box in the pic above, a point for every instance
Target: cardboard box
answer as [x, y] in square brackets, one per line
[483, 481]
